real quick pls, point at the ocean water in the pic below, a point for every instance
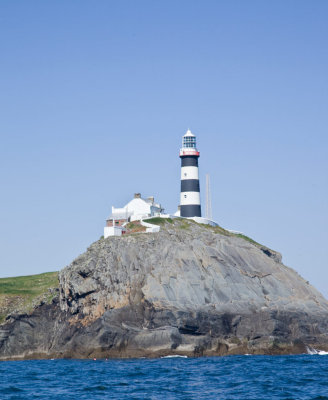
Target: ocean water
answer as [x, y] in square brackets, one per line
[233, 377]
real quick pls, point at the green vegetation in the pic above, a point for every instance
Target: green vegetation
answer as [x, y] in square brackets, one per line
[32, 285]
[218, 229]
[159, 221]
[222, 231]
[247, 238]
[20, 294]
[184, 223]
[133, 227]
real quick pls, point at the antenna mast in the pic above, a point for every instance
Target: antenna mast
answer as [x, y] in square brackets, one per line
[208, 198]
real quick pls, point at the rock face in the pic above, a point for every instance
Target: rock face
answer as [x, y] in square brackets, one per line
[189, 290]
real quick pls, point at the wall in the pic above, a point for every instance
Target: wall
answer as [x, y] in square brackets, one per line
[112, 231]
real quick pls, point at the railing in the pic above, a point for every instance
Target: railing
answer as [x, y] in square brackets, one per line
[189, 153]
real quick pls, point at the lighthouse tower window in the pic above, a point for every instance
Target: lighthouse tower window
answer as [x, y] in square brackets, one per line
[189, 142]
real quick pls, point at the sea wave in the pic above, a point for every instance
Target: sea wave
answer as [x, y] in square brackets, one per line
[313, 351]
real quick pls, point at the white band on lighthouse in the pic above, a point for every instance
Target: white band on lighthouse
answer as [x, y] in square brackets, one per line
[189, 173]
[189, 198]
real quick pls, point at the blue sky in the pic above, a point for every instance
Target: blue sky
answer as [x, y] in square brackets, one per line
[95, 97]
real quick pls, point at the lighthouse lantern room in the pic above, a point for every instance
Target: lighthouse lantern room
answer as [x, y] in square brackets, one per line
[190, 193]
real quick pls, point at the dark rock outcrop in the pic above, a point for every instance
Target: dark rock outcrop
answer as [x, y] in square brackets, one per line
[189, 290]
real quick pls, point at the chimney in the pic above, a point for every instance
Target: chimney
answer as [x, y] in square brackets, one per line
[151, 198]
[137, 195]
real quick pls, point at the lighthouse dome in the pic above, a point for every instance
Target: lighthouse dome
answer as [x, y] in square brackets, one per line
[189, 133]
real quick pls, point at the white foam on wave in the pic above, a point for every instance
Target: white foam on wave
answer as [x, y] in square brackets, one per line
[312, 352]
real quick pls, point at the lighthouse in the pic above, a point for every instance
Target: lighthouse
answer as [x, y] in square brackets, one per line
[190, 195]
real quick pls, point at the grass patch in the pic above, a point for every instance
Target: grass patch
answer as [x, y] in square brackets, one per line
[222, 231]
[218, 229]
[20, 294]
[133, 227]
[184, 223]
[247, 238]
[159, 221]
[32, 285]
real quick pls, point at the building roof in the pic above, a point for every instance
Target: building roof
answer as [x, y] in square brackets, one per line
[149, 200]
[188, 133]
[119, 216]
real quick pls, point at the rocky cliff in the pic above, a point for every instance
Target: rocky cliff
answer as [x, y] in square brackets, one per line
[189, 289]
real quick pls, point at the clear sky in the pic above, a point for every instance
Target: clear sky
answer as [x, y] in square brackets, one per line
[96, 95]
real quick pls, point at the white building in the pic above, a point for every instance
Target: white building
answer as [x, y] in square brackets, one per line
[135, 210]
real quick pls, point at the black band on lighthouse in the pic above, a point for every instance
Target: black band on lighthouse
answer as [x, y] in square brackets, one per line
[190, 210]
[190, 185]
[191, 161]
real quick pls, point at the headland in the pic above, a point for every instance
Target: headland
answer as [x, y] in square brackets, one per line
[189, 289]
